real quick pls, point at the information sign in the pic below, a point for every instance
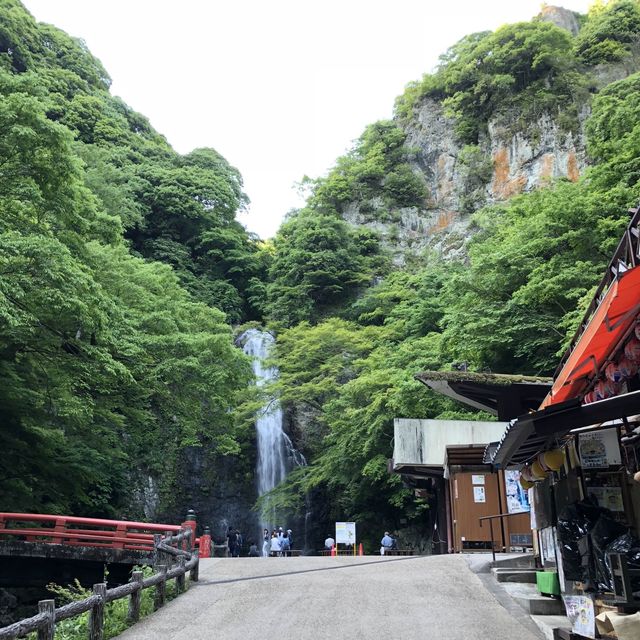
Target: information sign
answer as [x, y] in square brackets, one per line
[345, 532]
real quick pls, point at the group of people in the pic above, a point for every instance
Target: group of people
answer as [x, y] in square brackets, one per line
[277, 544]
[234, 542]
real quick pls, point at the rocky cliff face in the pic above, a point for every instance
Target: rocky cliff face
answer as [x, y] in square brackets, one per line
[509, 159]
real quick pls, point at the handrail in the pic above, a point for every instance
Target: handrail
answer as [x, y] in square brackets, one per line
[44, 621]
[499, 515]
[491, 519]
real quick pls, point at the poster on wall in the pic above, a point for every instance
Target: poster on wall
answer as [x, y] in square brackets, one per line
[346, 533]
[479, 494]
[517, 497]
[581, 614]
[599, 449]
[477, 479]
[607, 497]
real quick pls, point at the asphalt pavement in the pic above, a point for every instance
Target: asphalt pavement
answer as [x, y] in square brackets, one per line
[313, 598]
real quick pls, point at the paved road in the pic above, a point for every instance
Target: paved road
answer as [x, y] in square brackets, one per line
[315, 598]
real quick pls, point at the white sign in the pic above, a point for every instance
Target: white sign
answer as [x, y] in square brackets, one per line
[479, 495]
[345, 532]
[599, 449]
[580, 612]
[477, 479]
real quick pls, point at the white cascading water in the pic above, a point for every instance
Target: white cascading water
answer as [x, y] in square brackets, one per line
[276, 454]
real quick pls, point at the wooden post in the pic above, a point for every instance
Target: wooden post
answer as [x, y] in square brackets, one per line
[158, 555]
[161, 588]
[167, 558]
[96, 614]
[133, 614]
[180, 579]
[48, 629]
[195, 571]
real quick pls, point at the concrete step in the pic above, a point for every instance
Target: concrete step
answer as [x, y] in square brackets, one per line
[548, 624]
[527, 596]
[515, 561]
[505, 574]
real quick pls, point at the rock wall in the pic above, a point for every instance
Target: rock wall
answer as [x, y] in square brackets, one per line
[508, 160]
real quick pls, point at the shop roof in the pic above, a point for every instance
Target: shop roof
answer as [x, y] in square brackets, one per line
[607, 323]
[531, 433]
[503, 395]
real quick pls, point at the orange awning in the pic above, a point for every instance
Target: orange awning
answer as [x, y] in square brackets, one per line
[607, 327]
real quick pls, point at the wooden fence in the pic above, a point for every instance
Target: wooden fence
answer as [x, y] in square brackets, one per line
[167, 548]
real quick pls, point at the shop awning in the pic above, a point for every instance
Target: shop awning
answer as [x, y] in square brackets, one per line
[607, 327]
[531, 433]
[503, 395]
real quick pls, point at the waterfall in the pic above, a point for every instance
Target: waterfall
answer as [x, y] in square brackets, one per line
[276, 454]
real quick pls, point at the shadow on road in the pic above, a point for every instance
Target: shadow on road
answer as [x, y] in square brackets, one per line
[292, 573]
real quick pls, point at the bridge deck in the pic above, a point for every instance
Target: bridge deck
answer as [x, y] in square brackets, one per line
[345, 597]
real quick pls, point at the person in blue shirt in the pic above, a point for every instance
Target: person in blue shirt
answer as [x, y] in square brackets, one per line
[386, 543]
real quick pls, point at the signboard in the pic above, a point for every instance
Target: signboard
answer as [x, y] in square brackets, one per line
[580, 612]
[517, 497]
[479, 495]
[599, 449]
[477, 479]
[345, 532]
[607, 497]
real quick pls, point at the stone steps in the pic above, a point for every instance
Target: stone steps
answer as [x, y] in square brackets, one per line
[505, 574]
[527, 596]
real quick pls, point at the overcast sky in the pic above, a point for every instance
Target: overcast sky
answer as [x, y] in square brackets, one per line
[280, 88]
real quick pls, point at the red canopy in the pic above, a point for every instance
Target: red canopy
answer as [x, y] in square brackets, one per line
[607, 327]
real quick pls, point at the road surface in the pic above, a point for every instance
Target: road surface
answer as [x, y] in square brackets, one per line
[313, 598]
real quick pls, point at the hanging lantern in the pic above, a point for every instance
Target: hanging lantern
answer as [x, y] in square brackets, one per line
[637, 331]
[526, 474]
[613, 373]
[537, 471]
[525, 484]
[632, 350]
[553, 460]
[627, 367]
[589, 397]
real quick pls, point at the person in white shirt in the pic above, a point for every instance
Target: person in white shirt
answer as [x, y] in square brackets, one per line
[329, 542]
[275, 545]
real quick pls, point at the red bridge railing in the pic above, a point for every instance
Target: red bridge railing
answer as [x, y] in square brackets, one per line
[94, 532]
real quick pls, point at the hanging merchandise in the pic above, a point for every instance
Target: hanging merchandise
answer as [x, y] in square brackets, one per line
[589, 397]
[627, 367]
[605, 389]
[632, 350]
[613, 373]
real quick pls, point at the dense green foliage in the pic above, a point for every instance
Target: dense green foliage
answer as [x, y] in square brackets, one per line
[122, 265]
[509, 307]
[527, 68]
[110, 367]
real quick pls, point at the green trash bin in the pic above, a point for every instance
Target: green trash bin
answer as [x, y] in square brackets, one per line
[548, 583]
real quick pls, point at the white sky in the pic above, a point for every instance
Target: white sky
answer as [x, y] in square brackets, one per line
[280, 88]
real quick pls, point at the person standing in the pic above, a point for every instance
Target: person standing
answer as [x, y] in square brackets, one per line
[386, 543]
[266, 543]
[329, 543]
[231, 541]
[275, 545]
[285, 546]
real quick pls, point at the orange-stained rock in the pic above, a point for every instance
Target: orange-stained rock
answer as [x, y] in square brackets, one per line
[548, 162]
[572, 167]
